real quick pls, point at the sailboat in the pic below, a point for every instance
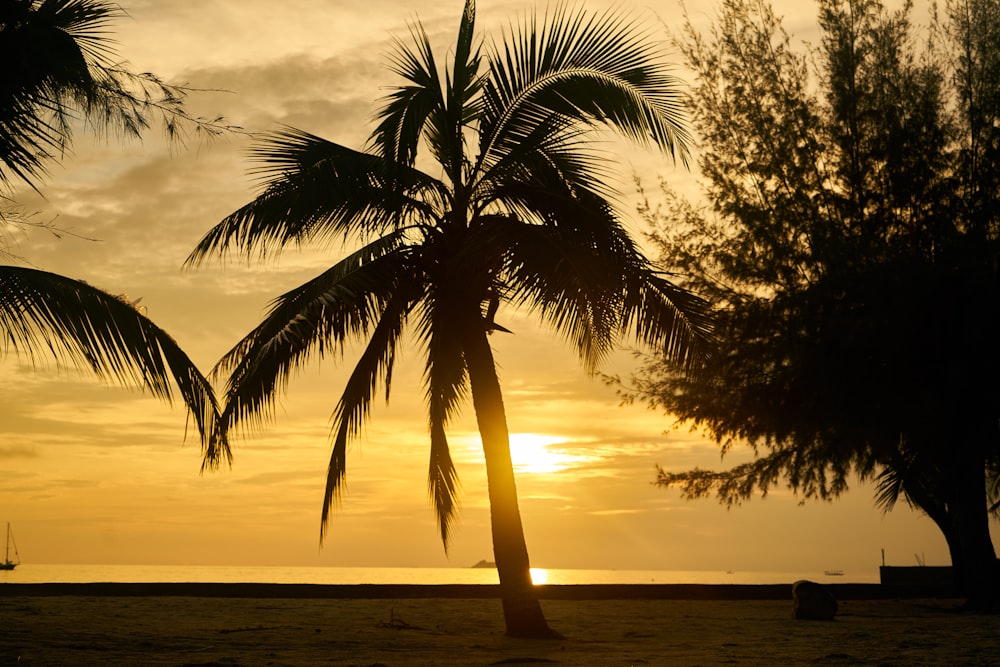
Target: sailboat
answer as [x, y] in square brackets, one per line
[7, 563]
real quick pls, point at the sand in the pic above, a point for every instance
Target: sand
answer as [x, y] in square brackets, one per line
[111, 630]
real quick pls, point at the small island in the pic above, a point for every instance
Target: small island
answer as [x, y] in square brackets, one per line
[485, 564]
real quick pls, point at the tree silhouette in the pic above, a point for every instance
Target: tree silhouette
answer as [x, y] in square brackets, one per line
[60, 69]
[852, 251]
[525, 221]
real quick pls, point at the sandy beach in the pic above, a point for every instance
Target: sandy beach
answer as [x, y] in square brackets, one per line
[58, 629]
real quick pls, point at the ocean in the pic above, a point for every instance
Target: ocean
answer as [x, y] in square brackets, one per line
[56, 573]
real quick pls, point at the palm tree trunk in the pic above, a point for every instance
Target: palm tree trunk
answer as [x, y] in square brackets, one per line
[521, 610]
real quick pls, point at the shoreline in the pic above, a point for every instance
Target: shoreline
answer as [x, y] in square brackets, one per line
[840, 591]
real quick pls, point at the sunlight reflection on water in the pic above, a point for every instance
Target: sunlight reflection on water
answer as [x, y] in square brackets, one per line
[41, 573]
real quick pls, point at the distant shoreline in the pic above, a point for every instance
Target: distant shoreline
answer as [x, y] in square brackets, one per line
[841, 591]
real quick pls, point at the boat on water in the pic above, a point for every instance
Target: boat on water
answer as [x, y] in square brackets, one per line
[833, 573]
[7, 563]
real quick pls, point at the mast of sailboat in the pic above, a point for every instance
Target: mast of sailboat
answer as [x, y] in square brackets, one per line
[10, 538]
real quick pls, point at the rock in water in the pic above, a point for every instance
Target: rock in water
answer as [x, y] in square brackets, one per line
[813, 602]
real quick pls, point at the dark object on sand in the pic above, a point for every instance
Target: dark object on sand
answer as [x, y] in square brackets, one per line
[813, 602]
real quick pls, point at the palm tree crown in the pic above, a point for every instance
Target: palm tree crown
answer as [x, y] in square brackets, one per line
[525, 221]
[62, 69]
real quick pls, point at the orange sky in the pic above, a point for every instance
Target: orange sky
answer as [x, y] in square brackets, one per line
[97, 474]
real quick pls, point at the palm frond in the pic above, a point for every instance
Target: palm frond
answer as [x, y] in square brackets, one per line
[318, 317]
[588, 70]
[888, 488]
[464, 103]
[465, 82]
[581, 271]
[442, 481]
[86, 21]
[446, 379]
[404, 112]
[666, 317]
[425, 108]
[44, 314]
[566, 255]
[316, 189]
[375, 364]
[552, 156]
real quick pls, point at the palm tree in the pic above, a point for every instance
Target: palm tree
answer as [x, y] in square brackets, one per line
[526, 221]
[61, 69]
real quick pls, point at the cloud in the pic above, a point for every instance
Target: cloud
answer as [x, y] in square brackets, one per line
[19, 451]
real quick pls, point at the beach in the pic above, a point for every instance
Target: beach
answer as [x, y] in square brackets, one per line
[49, 627]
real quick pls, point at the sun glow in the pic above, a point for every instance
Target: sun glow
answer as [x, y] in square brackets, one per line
[539, 453]
[539, 576]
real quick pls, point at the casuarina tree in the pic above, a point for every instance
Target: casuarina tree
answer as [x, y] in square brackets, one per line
[851, 251]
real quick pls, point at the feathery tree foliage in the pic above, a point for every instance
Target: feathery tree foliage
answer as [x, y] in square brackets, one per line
[852, 251]
[518, 215]
[60, 71]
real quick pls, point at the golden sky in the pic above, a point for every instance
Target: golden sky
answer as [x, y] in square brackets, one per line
[99, 474]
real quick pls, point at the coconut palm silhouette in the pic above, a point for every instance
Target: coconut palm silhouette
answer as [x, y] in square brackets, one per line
[519, 215]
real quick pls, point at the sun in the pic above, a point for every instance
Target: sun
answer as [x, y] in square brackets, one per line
[539, 453]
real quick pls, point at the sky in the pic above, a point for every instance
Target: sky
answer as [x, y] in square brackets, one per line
[105, 475]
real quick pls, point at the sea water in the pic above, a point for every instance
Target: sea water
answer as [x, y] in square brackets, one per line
[71, 573]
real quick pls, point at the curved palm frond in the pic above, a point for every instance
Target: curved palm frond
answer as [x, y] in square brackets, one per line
[573, 262]
[588, 70]
[375, 364]
[405, 112]
[604, 289]
[47, 314]
[667, 317]
[553, 155]
[426, 108]
[342, 303]
[442, 477]
[567, 285]
[889, 486]
[446, 379]
[316, 189]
